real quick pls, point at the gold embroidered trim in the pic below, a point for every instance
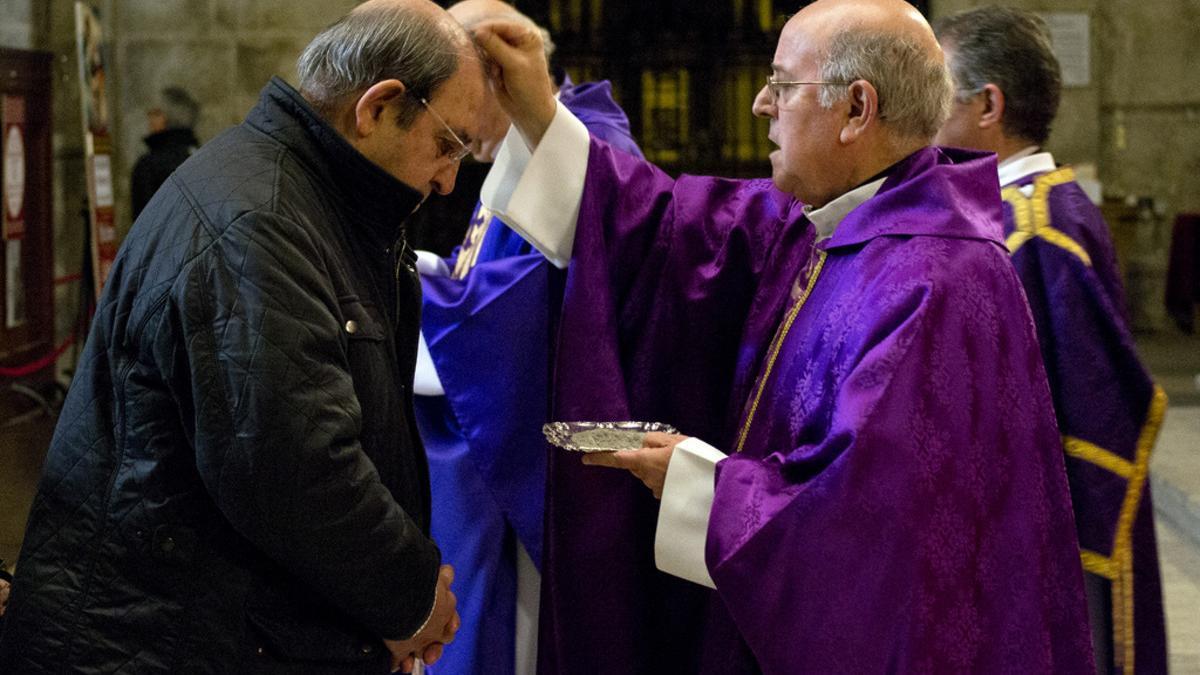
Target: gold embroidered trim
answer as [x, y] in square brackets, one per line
[1118, 569]
[1032, 215]
[1122, 586]
[1097, 455]
[1098, 564]
[468, 255]
[777, 345]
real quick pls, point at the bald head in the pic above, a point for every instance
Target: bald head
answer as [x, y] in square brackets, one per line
[413, 41]
[471, 13]
[893, 17]
[887, 43]
[863, 84]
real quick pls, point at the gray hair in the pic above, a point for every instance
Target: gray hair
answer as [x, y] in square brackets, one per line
[914, 86]
[1011, 49]
[179, 109]
[380, 43]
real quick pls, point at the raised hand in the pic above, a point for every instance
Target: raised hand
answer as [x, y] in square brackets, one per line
[519, 74]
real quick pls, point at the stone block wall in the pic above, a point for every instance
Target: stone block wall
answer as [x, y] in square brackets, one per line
[221, 51]
[16, 28]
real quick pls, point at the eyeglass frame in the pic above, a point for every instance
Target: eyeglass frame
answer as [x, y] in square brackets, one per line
[463, 149]
[773, 85]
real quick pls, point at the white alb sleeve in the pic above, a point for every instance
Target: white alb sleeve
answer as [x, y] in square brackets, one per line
[683, 515]
[425, 378]
[538, 193]
[430, 264]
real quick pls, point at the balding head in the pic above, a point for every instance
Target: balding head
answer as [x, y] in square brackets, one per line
[889, 44]
[882, 93]
[471, 13]
[413, 41]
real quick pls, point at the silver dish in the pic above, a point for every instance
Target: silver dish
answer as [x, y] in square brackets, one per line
[601, 436]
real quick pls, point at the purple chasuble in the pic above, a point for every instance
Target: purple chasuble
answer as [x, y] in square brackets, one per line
[1109, 410]
[899, 500]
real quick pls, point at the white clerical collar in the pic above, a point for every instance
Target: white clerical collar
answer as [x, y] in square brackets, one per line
[1027, 161]
[827, 218]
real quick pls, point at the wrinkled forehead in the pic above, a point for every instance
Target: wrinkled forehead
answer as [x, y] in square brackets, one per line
[801, 44]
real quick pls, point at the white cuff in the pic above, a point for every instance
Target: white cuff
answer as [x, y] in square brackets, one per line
[683, 515]
[431, 264]
[425, 379]
[538, 194]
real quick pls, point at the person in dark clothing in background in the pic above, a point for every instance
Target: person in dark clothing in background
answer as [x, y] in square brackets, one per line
[171, 141]
[236, 483]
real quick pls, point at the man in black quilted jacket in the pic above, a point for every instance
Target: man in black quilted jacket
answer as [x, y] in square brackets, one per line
[236, 483]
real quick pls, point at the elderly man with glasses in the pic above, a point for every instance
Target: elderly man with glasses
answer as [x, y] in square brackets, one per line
[236, 483]
[882, 487]
[1109, 409]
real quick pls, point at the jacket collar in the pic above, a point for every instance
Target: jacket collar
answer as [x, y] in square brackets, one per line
[940, 192]
[379, 202]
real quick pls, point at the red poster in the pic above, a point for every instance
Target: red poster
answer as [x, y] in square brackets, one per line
[14, 167]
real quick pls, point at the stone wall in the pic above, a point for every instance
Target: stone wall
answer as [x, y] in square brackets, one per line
[222, 51]
[16, 26]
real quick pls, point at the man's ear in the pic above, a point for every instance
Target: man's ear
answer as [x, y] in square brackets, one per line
[863, 110]
[370, 107]
[993, 106]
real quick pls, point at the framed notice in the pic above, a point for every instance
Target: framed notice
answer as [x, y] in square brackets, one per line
[26, 208]
[98, 142]
[1071, 40]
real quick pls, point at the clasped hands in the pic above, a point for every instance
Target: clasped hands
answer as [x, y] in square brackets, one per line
[439, 631]
[648, 463]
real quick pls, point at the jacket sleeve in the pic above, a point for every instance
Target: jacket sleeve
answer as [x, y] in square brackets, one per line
[277, 426]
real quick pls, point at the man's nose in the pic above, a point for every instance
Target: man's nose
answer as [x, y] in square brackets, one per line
[443, 181]
[764, 105]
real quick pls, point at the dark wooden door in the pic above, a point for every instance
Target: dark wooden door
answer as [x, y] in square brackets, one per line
[26, 232]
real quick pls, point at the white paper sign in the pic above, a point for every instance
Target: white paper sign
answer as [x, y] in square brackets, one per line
[1070, 37]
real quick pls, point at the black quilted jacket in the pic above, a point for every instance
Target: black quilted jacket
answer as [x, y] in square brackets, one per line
[235, 483]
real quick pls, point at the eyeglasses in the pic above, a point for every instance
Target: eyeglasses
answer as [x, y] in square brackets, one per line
[454, 155]
[774, 86]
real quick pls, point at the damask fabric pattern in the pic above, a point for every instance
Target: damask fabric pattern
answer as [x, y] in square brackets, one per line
[900, 501]
[489, 327]
[235, 483]
[1108, 408]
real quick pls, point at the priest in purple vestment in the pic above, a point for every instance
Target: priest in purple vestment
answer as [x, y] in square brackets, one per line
[482, 382]
[1109, 409]
[880, 485]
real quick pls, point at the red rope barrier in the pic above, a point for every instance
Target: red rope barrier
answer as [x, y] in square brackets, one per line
[30, 368]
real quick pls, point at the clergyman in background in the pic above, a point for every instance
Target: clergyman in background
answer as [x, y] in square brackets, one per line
[1007, 90]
